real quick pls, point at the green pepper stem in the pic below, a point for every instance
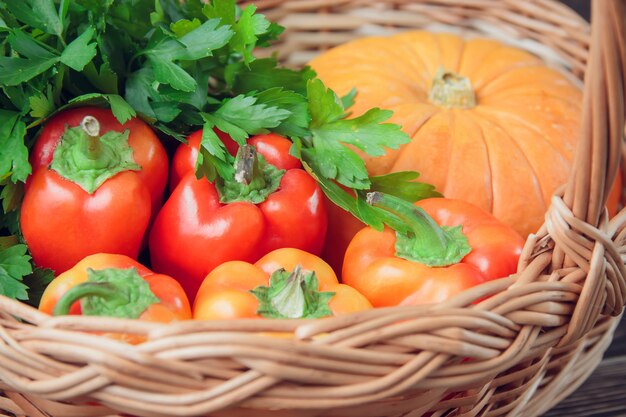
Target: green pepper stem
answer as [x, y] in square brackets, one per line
[292, 295]
[247, 167]
[290, 301]
[86, 289]
[255, 179]
[427, 243]
[91, 147]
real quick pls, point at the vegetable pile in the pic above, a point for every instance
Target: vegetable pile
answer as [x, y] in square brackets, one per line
[106, 103]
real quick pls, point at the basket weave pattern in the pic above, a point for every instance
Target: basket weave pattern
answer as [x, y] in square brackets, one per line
[516, 353]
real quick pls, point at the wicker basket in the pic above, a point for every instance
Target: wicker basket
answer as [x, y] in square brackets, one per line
[530, 344]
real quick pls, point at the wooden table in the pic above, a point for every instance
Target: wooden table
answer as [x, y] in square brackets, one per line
[604, 393]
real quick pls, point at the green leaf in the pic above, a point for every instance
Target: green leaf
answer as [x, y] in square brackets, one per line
[213, 158]
[140, 91]
[183, 27]
[403, 185]
[14, 265]
[260, 24]
[366, 132]
[161, 127]
[367, 214]
[272, 33]
[336, 161]
[103, 79]
[221, 9]
[236, 133]
[122, 111]
[332, 190]
[29, 47]
[297, 123]
[202, 41]
[245, 35]
[158, 15]
[40, 14]
[331, 132]
[80, 52]
[15, 71]
[197, 98]
[42, 104]
[263, 74]
[324, 105]
[166, 111]
[11, 222]
[245, 113]
[348, 100]
[64, 7]
[14, 155]
[37, 283]
[167, 72]
[12, 194]
[194, 45]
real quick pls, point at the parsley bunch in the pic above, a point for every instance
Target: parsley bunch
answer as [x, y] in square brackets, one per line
[180, 66]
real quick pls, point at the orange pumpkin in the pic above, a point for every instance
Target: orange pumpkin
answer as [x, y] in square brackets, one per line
[490, 124]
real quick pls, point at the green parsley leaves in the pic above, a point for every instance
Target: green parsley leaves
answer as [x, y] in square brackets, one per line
[14, 265]
[181, 66]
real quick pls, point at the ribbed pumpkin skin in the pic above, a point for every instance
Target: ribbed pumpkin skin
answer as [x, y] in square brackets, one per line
[507, 155]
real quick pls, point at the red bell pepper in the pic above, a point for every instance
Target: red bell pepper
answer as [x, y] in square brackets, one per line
[148, 152]
[91, 197]
[450, 245]
[268, 205]
[116, 286]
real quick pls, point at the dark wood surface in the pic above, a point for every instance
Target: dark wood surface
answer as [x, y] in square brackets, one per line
[604, 393]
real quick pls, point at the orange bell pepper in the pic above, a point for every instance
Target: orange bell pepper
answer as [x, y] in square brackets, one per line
[115, 286]
[447, 246]
[285, 283]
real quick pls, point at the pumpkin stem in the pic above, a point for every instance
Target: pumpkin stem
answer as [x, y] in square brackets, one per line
[451, 90]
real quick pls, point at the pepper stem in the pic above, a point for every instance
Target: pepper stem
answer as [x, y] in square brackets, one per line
[109, 292]
[290, 302]
[247, 167]
[91, 146]
[88, 159]
[427, 242]
[451, 90]
[254, 179]
[86, 289]
[293, 295]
